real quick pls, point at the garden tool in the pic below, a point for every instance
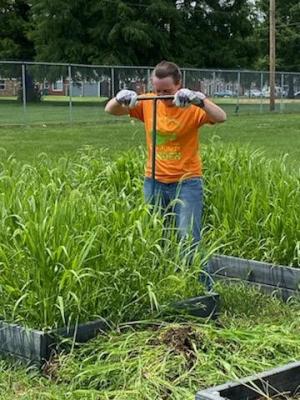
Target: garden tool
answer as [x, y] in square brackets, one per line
[154, 127]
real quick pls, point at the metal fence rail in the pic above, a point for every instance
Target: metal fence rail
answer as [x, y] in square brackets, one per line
[38, 92]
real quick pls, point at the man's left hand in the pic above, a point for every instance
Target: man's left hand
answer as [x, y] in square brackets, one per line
[186, 97]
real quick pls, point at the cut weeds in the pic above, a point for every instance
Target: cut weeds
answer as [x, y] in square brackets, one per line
[159, 360]
[175, 360]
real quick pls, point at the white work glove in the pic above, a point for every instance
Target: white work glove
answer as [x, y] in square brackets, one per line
[186, 97]
[127, 98]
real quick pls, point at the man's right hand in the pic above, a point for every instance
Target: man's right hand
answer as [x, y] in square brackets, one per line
[127, 98]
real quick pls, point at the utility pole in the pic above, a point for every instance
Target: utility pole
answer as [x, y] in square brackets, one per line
[272, 56]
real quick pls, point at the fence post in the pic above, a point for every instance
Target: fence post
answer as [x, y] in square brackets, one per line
[148, 80]
[184, 78]
[112, 82]
[261, 94]
[281, 94]
[70, 92]
[237, 108]
[24, 90]
[214, 84]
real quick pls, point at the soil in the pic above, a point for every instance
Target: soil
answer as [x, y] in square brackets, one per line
[181, 340]
[51, 367]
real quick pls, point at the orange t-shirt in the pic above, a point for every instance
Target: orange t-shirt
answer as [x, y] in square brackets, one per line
[177, 141]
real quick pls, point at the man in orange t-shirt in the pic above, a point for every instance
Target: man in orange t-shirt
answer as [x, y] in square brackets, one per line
[178, 164]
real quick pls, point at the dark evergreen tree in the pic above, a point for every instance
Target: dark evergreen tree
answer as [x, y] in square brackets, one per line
[32, 92]
[14, 26]
[61, 30]
[220, 33]
[140, 33]
[196, 33]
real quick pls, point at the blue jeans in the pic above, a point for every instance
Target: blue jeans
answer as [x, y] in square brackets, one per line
[187, 210]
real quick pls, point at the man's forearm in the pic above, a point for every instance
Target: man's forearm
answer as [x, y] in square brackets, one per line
[115, 108]
[215, 113]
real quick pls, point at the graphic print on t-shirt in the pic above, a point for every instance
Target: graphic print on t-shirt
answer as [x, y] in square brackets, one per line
[166, 149]
[166, 136]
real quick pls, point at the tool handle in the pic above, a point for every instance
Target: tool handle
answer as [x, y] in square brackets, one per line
[164, 97]
[153, 150]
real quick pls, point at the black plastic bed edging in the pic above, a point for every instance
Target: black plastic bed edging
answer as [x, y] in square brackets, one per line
[281, 280]
[285, 380]
[202, 306]
[37, 346]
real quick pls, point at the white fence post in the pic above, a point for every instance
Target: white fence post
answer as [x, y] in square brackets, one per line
[24, 90]
[70, 92]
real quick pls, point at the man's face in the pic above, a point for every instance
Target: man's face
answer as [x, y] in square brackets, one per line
[164, 87]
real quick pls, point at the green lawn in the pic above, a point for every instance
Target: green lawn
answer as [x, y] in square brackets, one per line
[56, 109]
[277, 134]
[75, 99]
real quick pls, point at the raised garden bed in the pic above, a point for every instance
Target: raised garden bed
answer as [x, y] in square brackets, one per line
[270, 384]
[269, 278]
[36, 346]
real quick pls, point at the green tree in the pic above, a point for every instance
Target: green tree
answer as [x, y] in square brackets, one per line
[60, 30]
[199, 33]
[14, 25]
[129, 33]
[220, 33]
[103, 32]
[287, 34]
[32, 92]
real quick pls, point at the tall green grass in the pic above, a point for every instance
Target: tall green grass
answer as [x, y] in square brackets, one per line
[252, 205]
[77, 241]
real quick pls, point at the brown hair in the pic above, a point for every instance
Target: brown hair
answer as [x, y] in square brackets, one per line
[167, 68]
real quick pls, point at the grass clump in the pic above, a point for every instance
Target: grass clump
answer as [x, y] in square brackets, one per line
[77, 242]
[253, 205]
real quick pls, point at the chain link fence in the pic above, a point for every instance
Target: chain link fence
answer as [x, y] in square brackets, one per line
[33, 93]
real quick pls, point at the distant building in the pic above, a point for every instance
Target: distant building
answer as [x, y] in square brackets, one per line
[80, 88]
[9, 87]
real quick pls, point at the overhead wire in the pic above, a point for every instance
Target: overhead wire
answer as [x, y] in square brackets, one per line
[295, 23]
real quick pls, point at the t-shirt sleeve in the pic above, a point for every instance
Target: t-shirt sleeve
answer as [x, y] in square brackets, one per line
[137, 111]
[202, 117]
